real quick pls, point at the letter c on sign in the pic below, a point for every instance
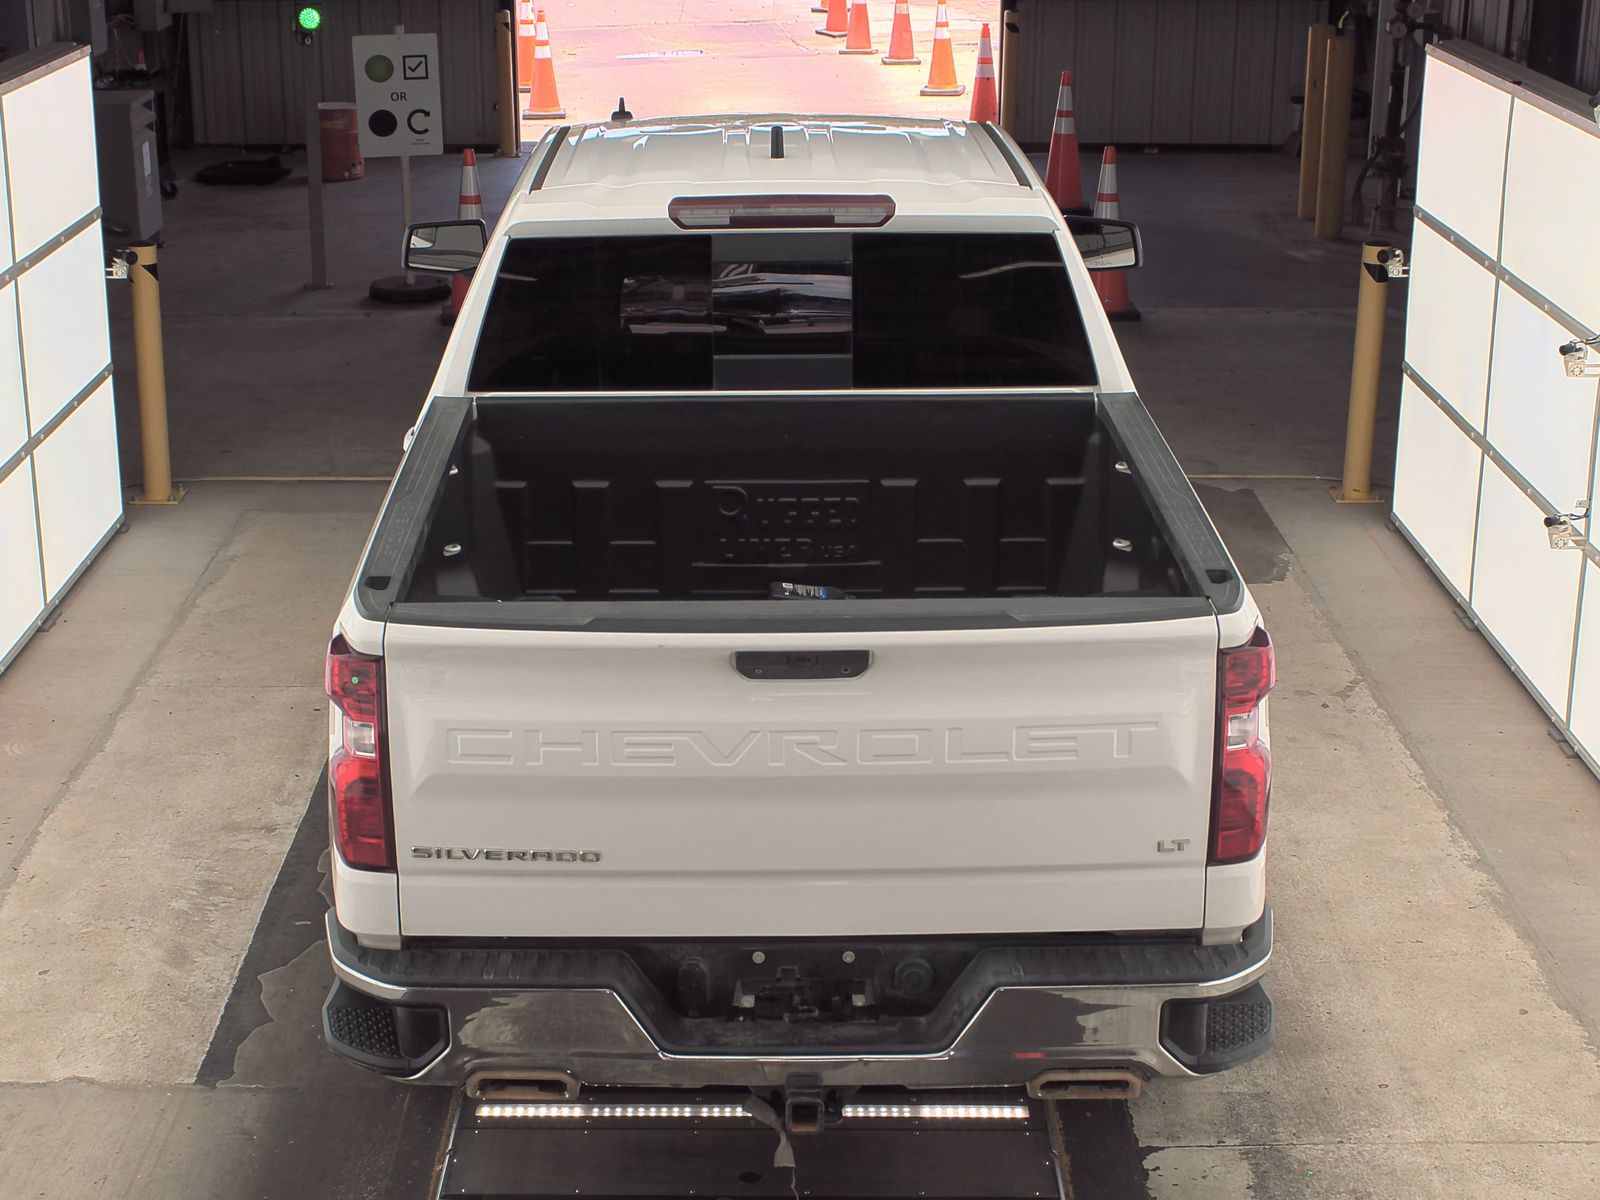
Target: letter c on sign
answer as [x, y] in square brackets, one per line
[411, 120]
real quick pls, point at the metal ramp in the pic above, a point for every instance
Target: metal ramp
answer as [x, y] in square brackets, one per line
[916, 1146]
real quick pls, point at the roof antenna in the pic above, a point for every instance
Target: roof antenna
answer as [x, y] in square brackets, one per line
[777, 141]
[622, 113]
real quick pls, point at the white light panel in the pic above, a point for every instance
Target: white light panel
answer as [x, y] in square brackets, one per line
[1551, 239]
[1436, 484]
[1449, 317]
[49, 128]
[21, 591]
[6, 256]
[65, 342]
[1525, 593]
[1585, 719]
[80, 487]
[1540, 419]
[13, 413]
[1462, 154]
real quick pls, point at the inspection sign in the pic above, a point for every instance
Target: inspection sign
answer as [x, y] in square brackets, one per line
[397, 94]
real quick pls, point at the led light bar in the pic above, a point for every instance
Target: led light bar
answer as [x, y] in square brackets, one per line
[585, 1111]
[941, 1112]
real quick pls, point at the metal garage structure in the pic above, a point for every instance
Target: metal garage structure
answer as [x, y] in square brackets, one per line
[251, 81]
[1496, 435]
[1172, 72]
[60, 487]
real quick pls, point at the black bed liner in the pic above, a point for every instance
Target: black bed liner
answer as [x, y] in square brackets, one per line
[670, 512]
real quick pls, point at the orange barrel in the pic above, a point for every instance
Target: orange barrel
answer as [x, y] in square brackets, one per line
[341, 147]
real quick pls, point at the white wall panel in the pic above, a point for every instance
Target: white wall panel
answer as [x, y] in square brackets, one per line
[1539, 419]
[50, 143]
[80, 487]
[1461, 161]
[1585, 721]
[1552, 230]
[13, 414]
[1436, 484]
[6, 257]
[1525, 593]
[1449, 319]
[21, 592]
[65, 342]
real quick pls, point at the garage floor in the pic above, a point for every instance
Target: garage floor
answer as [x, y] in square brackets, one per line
[1437, 970]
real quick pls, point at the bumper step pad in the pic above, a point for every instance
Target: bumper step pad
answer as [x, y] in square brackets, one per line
[1213, 1035]
[391, 1038]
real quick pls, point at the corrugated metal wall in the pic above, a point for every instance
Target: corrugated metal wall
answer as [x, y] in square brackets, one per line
[250, 81]
[1206, 72]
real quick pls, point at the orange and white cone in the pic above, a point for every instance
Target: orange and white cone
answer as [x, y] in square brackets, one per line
[1063, 178]
[525, 30]
[942, 70]
[468, 208]
[543, 102]
[902, 50]
[860, 39]
[985, 104]
[838, 22]
[1112, 286]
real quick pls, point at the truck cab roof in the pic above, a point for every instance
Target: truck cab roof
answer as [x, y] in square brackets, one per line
[630, 170]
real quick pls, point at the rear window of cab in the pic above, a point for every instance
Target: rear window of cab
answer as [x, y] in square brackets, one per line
[761, 311]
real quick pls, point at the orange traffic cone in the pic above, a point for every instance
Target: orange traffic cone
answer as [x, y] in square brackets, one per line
[838, 22]
[985, 106]
[525, 31]
[902, 50]
[942, 71]
[543, 103]
[1062, 176]
[860, 39]
[468, 208]
[1112, 286]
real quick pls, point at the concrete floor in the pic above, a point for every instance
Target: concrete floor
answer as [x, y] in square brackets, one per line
[1437, 971]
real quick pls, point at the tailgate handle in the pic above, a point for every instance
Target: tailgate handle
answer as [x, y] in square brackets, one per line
[802, 664]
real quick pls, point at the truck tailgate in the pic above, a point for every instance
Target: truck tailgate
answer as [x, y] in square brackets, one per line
[588, 784]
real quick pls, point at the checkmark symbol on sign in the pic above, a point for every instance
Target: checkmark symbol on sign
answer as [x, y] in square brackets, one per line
[414, 66]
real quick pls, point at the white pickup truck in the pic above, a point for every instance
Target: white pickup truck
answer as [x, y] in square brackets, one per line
[788, 657]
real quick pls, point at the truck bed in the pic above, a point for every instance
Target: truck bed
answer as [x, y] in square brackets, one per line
[988, 503]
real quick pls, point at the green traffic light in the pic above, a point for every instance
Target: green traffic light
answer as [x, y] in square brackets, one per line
[309, 18]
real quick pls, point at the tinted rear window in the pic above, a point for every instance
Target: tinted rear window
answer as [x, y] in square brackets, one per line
[750, 311]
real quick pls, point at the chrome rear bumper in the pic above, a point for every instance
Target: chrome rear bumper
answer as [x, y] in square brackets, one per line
[441, 1016]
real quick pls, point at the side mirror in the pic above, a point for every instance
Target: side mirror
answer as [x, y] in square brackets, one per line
[1106, 244]
[445, 247]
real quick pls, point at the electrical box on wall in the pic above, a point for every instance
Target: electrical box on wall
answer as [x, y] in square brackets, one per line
[152, 15]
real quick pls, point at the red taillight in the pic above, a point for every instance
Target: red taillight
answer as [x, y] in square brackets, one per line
[357, 789]
[1244, 759]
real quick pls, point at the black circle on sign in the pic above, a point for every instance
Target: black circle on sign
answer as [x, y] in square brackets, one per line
[383, 122]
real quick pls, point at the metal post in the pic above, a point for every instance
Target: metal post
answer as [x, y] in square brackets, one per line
[319, 229]
[1010, 44]
[1334, 160]
[1365, 368]
[505, 59]
[1311, 117]
[152, 377]
[405, 200]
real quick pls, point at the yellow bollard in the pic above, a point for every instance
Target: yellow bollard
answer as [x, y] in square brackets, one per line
[152, 376]
[505, 59]
[1317, 40]
[1334, 153]
[1365, 368]
[1010, 46]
